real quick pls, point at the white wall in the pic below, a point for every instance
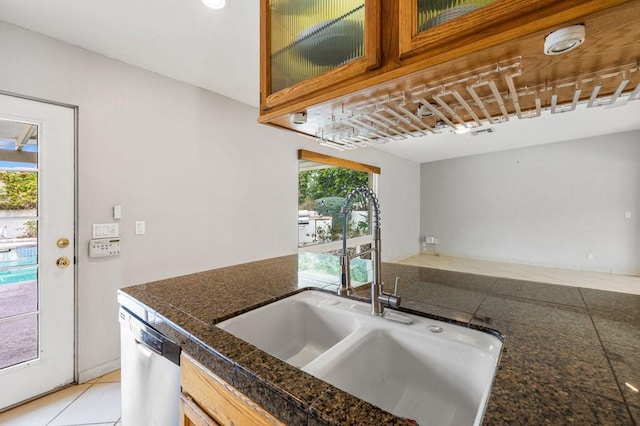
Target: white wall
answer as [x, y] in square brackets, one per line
[549, 205]
[194, 165]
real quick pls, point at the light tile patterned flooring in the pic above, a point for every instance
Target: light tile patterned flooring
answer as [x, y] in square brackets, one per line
[95, 403]
[594, 280]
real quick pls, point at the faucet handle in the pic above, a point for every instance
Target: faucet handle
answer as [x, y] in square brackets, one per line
[392, 300]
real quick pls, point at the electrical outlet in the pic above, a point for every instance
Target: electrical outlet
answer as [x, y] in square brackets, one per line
[590, 256]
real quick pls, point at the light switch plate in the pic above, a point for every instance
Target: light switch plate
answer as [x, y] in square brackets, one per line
[103, 247]
[140, 227]
[105, 230]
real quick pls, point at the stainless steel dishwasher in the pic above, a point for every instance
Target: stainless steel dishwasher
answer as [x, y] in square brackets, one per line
[150, 373]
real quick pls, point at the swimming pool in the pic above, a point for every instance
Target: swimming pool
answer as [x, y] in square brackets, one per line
[18, 275]
[16, 257]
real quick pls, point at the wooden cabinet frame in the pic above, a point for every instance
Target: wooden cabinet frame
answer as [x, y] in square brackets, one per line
[207, 400]
[316, 157]
[371, 59]
[494, 24]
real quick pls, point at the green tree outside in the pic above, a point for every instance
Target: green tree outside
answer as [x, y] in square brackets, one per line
[324, 190]
[331, 206]
[18, 190]
[330, 182]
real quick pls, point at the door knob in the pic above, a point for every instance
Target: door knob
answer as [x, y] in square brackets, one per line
[63, 262]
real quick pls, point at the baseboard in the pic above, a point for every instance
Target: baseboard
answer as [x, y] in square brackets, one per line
[400, 259]
[101, 370]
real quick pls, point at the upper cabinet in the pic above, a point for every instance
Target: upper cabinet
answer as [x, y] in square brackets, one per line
[308, 45]
[425, 24]
[436, 27]
[352, 73]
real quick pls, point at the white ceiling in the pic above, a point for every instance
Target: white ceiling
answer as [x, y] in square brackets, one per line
[581, 123]
[219, 51]
[181, 39]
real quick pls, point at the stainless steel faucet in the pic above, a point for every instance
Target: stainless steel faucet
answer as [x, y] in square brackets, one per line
[378, 297]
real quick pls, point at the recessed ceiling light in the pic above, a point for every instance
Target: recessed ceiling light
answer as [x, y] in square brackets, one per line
[215, 4]
[564, 40]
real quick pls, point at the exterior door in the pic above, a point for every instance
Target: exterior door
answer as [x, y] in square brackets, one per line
[37, 271]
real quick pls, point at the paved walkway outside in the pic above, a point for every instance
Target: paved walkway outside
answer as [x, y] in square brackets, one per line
[19, 336]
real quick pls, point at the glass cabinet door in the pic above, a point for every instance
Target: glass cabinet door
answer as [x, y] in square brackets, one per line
[432, 13]
[444, 25]
[307, 39]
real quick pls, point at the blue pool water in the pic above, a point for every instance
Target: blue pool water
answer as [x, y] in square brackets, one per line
[18, 256]
[18, 275]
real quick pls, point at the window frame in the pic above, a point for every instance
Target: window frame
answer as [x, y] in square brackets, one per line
[373, 171]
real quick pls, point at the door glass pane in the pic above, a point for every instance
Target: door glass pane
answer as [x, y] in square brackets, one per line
[19, 297]
[18, 145]
[310, 37]
[432, 13]
[19, 340]
[19, 305]
[18, 242]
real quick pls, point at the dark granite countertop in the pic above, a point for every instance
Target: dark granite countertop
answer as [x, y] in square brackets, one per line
[571, 355]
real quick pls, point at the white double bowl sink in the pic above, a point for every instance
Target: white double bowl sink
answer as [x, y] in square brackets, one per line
[417, 368]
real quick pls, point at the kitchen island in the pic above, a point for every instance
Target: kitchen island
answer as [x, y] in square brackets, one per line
[568, 357]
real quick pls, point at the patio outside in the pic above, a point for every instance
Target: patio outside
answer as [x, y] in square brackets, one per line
[19, 335]
[18, 268]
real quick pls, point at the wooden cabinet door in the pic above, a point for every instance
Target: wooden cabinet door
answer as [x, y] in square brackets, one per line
[191, 414]
[487, 25]
[207, 400]
[312, 45]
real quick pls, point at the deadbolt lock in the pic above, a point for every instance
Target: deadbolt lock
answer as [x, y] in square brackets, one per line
[63, 262]
[63, 242]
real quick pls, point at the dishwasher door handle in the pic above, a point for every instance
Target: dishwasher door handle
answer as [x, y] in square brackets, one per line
[144, 350]
[147, 337]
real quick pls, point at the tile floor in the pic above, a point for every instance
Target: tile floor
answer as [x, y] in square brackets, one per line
[95, 403]
[593, 280]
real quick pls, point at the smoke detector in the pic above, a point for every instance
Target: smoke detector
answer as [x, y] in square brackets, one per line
[564, 40]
